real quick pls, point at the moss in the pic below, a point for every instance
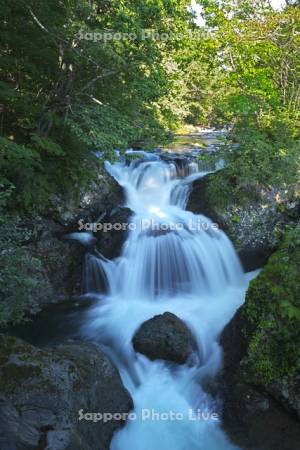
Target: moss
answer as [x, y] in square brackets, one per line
[272, 316]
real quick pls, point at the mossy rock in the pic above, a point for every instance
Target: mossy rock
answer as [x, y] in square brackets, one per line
[272, 310]
[266, 328]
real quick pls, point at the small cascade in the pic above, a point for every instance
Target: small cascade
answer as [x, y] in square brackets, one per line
[97, 274]
[173, 261]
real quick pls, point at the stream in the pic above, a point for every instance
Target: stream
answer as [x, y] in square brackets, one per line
[172, 261]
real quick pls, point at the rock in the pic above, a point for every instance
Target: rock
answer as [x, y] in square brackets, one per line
[43, 392]
[261, 367]
[24, 281]
[199, 202]
[182, 162]
[234, 343]
[250, 222]
[110, 242]
[255, 421]
[26, 287]
[45, 265]
[40, 268]
[252, 417]
[100, 196]
[287, 391]
[165, 337]
[61, 259]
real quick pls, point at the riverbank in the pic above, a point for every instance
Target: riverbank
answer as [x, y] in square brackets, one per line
[102, 203]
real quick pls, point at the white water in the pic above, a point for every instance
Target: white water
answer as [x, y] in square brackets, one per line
[190, 271]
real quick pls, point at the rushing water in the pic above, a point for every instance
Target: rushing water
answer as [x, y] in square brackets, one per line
[172, 261]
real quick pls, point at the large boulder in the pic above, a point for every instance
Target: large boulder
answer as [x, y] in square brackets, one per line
[262, 358]
[165, 336]
[250, 219]
[47, 397]
[255, 421]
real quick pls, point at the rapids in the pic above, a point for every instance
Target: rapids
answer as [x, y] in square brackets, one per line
[172, 261]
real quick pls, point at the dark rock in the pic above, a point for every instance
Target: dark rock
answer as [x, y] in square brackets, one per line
[181, 162]
[255, 421]
[165, 337]
[42, 392]
[61, 259]
[256, 256]
[110, 242]
[250, 223]
[261, 359]
[234, 343]
[199, 202]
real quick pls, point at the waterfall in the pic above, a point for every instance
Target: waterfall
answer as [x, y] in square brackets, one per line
[98, 274]
[172, 261]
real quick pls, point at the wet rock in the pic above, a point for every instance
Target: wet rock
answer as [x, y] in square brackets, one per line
[181, 162]
[61, 259]
[43, 392]
[233, 342]
[165, 336]
[255, 421]
[249, 222]
[261, 356]
[110, 242]
[199, 202]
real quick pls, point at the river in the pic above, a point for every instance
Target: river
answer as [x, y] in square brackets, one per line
[172, 261]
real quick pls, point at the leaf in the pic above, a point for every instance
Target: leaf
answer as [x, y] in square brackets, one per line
[47, 144]
[291, 311]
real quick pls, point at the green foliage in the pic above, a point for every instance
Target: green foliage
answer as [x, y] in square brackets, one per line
[6, 191]
[47, 144]
[258, 88]
[90, 124]
[66, 94]
[36, 170]
[265, 160]
[272, 316]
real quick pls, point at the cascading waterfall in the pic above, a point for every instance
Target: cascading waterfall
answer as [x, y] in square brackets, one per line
[172, 261]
